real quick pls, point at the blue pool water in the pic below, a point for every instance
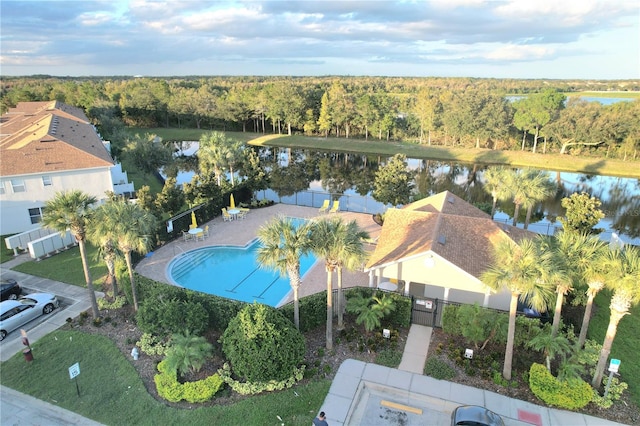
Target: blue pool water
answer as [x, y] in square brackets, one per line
[232, 272]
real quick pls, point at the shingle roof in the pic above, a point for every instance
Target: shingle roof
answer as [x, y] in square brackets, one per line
[40, 137]
[446, 225]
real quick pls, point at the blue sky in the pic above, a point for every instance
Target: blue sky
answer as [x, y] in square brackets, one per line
[556, 39]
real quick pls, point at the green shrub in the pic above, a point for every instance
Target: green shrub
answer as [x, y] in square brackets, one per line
[168, 316]
[251, 388]
[450, 322]
[616, 388]
[571, 394]
[170, 389]
[152, 345]
[389, 358]
[262, 345]
[439, 369]
[117, 303]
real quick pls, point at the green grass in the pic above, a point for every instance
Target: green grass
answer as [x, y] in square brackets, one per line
[66, 267]
[112, 393]
[464, 155]
[5, 253]
[174, 134]
[626, 344]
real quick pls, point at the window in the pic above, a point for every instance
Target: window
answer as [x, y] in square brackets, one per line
[36, 214]
[1, 188]
[46, 181]
[17, 185]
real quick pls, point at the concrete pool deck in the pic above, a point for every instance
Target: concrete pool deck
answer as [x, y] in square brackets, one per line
[242, 231]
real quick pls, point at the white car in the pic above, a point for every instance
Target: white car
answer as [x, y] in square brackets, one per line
[15, 313]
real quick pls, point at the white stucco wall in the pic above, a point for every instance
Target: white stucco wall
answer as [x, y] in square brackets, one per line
[14, 207]
[438, 274]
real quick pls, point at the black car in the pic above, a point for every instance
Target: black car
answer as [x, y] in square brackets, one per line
[10, 289]
[474, 415]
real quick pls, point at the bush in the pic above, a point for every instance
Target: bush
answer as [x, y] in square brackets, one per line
[615, 392]
[152, 345]
[251, 388]
[389, 358]
[170, 389]
[571, 394]
[262, 345]
[168, 316]
[187, 353]
[117, 303]
[439, 369]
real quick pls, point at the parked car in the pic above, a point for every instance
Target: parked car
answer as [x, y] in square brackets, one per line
[524, 308]
[10, 290]
[16, 313]
[475, 415]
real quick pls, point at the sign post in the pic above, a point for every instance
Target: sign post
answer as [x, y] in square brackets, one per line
[614, 365]
[74, 372]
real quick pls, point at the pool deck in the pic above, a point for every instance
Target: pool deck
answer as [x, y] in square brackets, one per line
[242, 231]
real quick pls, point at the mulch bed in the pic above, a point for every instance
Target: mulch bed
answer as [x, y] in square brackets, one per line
[119, 326]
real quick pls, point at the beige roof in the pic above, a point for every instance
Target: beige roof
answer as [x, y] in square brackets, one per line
[446, 225]
[40, 137]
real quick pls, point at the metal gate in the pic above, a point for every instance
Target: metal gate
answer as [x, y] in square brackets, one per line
[428, 311]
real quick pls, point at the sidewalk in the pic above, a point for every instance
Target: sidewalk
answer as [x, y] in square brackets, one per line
[370, 394]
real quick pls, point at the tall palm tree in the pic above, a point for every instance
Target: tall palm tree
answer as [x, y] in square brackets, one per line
[623, 278]
[101, 234]
[522, 269]
[134, 230]
[354, 256]
[495, 177]
[282, 244]
[72, 211]
[593, 272]
[339, 244]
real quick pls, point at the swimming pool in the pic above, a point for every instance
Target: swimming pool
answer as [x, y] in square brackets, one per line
[232, 272]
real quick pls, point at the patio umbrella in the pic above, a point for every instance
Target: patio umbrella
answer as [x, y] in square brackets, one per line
[194, 223]
[232, 202]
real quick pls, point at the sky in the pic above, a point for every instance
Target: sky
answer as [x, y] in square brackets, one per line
[553, 39]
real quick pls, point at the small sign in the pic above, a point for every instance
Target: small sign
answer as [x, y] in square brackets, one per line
[428, 304]
[614, 365]
[74, 370]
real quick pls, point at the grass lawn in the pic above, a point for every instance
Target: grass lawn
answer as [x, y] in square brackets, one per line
[626, 344]
[464, 155]
[66, 267]
[112, 393]
[173, 134]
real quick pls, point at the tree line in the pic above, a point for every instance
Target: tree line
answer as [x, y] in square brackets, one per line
[434, 111]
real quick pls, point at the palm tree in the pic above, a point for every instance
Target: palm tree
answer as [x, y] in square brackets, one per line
[550, 346]
[495, 185]
[101, 234]
[71, 211]
[354, 255]
[623, 278]
[282, 244]
[522, 268]
[593, 272]
[571, 252]
[338, 244]
[522, 186]
[133, 230]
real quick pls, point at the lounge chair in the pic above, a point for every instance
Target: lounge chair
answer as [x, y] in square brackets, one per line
[336, 207]
[226, 217]
[324, 207]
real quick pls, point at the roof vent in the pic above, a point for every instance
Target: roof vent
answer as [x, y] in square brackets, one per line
[450, 199]
[442, 239]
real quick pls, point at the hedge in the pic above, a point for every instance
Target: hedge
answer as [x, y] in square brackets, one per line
[170, 389]
[571, 394]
